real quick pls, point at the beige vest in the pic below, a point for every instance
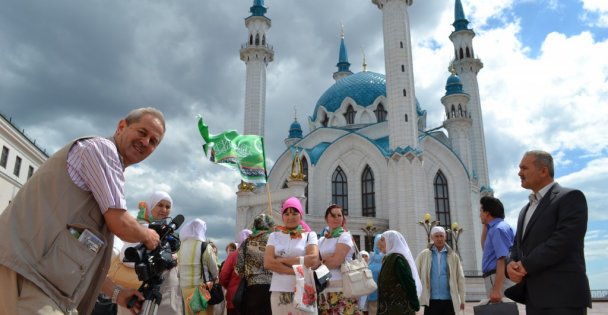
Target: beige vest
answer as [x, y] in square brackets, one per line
[36, 243]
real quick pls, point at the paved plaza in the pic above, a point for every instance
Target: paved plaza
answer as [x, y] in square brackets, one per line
[598, 308]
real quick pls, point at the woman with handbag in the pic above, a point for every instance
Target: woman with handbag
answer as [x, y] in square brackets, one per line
[229, 279]
[197, 265]
[250, 265]
[399, 285]
[336, 247]
[293, 244]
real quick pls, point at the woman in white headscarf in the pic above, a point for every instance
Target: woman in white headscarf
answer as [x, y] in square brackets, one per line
[157, 207]
[192, 236]
[399, 285]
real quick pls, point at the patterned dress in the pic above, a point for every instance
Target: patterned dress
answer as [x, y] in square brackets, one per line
[396, 287]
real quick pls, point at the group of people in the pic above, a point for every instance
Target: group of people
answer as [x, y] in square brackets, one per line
[57, 240]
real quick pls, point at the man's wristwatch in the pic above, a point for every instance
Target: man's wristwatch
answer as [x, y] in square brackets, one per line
[117, 290]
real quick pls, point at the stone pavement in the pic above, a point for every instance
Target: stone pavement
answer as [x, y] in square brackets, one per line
[598, 308]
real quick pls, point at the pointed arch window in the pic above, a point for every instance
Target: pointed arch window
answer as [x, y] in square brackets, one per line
[442, 202]
[257, 39]
[264, 40]
[250, 39]
[461, 54]
[468, 53]
[325, 120]
[368, 194]
[350, 115]
[380, 113]
[339, 189]
[305, 171]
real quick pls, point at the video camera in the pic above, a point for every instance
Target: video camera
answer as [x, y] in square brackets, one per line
[150, 264]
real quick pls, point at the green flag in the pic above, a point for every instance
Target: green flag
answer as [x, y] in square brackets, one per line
[244, 153]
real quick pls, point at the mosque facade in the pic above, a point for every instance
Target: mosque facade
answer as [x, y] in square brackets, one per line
[369, 149]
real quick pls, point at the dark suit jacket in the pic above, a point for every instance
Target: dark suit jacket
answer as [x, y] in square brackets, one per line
[552, 250]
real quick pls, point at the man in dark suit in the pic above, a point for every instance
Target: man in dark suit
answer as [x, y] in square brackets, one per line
[547, 258]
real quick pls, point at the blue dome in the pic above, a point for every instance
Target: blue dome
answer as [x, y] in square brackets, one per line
[295, 130]
[453, 85]
[363, 87]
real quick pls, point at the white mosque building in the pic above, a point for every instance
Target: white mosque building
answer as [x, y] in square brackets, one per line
[369, 148]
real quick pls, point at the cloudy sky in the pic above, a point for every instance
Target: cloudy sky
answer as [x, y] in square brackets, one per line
[70, 68]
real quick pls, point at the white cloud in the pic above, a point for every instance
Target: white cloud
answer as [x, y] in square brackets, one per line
[597, 12]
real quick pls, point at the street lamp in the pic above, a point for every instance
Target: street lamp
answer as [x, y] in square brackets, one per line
[455, 231]
[428, 224]
[369, 230]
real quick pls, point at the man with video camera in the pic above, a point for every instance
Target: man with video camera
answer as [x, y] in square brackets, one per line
[57, 233]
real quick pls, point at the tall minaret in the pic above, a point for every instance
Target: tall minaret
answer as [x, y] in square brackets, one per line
[343, 64]
[467, 67]
[256, 53]
[402, 119]
[458, 121]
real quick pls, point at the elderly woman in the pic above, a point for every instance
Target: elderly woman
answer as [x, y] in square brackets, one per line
[398, 283]
[229, 279]
[336, 247]
[292, 244]
[157, 207]
[250, 265]
[190, 256]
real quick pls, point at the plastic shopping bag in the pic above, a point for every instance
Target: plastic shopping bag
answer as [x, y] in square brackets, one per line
[305, 294]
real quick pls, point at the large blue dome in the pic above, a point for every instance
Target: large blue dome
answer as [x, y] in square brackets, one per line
[363, 87]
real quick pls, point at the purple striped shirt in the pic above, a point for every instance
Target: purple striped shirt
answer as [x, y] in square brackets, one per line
[94, 165]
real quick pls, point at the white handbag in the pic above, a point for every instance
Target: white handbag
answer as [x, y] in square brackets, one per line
[357, 278]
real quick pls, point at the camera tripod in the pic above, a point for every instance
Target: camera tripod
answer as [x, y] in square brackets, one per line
[152, 296]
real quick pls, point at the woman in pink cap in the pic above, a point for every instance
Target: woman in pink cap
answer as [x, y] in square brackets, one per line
[292, 244]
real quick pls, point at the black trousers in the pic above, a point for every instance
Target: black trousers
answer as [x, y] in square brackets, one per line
[439, 307]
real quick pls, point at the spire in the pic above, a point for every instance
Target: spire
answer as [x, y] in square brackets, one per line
[364, 62]
[460, 21]
[258, 8]
[343, 64]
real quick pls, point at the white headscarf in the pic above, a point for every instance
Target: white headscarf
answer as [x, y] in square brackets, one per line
[243, 235]
[396, 244]
[195, 229]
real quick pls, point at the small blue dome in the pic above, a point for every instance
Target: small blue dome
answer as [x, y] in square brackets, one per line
[295, 130]
[453, 85]
[363, 87]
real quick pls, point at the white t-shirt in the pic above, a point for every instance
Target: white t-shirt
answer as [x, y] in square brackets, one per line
[327, 247]
[285, 246]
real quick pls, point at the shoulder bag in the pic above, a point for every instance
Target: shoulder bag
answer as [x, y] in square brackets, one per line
[357, 279]
[216, 292]
[239, 295]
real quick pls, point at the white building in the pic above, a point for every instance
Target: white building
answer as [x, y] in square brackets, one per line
[19, 159]
[369, 148]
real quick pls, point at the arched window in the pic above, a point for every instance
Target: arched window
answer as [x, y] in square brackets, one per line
[401, 44]
[461, 53]
[402, 68]
[453, 111]
[263, 39]
[257, 39]
[350, 115]
[468, 53]
[442, 202]
[250, 39]
[339, 189]
[305, 171]
[325, 120]
[380, 113]
[368, 196]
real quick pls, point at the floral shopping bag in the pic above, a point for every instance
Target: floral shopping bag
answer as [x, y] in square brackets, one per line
[305, 294]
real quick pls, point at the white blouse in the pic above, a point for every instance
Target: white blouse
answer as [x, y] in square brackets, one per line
[285, 246]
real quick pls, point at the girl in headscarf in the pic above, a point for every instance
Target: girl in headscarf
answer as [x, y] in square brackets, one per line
[192, 235]
[398, 283]
[229, 279]
[158, 207]
[336, 247]
[250, 266]
[374, 265]
[292, 244]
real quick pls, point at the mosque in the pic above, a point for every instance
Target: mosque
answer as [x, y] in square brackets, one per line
[369, 149]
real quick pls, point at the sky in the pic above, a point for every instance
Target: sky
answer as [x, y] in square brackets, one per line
[71, 68]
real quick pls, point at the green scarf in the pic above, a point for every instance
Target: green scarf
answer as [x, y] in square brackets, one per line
[335, 232]
[294, 233]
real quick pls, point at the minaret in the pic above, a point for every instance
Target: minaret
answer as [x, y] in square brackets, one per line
[256, 53]
[402, 120]
[295, 132]
[343, 64]
[467, 67]
[458, 121]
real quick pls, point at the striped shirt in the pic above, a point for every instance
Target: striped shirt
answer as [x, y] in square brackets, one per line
[94, 165]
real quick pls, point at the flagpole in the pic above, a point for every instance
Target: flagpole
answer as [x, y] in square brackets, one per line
[269, 200]
[266, 177]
